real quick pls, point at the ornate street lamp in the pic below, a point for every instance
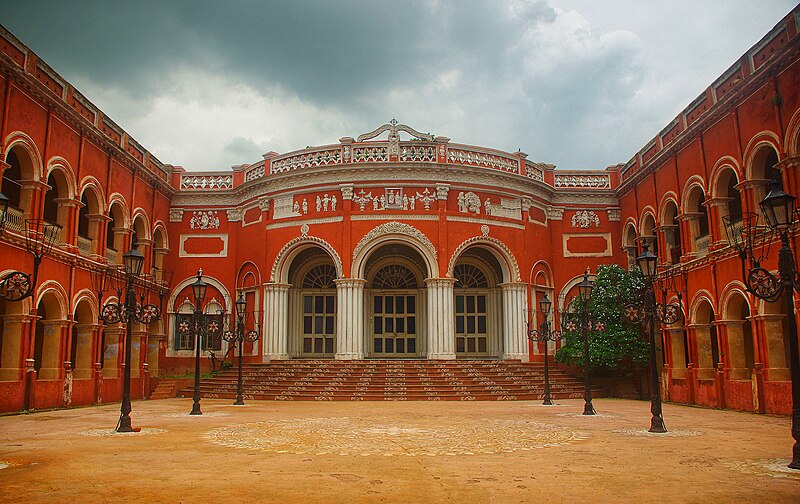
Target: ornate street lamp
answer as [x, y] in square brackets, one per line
[545, 335]
[130, 312]
[199, 291]
[646, 311]
[40, 236]
[778, 209]
[238, 337]
[585, 293]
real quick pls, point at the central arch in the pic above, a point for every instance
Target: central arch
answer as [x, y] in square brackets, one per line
[395, 298]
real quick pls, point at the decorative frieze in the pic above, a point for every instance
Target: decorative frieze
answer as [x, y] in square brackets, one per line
[555, 213]
[614, 214]
[234, 214]
[347, 191]
[585, 219]
[204, 219]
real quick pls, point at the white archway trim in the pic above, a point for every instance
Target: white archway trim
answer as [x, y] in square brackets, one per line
[16, 138]
[207, 279]
[58, 163]
[280, 268]
[509, 262]
[792, 137]
[562, 296]
[394, 231]
[765, 138]
[698, 297]
[51, 286]
[86, 295]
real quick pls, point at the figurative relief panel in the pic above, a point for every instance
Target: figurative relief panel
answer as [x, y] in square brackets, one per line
[204, 220]
[510, 208]
[394, 198]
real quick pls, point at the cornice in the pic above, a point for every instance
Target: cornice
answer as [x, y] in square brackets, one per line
[52, 103]
[787, 56]
[361, 174]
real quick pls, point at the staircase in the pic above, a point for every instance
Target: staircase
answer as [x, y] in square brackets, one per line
[397, 380]
[165, 389]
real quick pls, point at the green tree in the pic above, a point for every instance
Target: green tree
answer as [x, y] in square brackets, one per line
[619, 346]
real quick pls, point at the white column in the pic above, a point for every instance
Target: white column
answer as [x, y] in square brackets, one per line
[350, 318]
[276, 319]
[515, 307]
[441, 318]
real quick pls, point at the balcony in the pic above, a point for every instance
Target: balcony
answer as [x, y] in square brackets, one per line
[702, 243]
[86, 246]
[15, 220]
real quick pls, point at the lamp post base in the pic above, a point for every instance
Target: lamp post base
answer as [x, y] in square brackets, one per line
[239, 401]
[657, 425]
[588, 409]
[196, 409]
[547, 401]
[124, 424]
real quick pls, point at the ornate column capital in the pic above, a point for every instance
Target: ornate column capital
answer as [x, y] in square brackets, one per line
[440, 282]
[358, 283]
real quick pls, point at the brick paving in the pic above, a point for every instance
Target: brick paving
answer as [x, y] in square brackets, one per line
[274, 451]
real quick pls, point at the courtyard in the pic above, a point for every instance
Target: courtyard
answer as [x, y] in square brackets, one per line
[395, 451]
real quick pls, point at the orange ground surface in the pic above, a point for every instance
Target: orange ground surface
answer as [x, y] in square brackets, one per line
[346, 452]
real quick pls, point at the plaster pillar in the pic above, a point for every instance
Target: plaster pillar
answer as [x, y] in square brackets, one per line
[350, 318]
[276, 328]
[13, 356]
[441, 318]
[515, 307]
[111, 351]
[50, 366]
[83, 352]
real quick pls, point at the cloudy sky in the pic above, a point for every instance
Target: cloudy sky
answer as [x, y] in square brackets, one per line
[208, 84]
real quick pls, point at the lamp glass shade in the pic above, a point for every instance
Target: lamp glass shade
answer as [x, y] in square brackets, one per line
[133, 259]
[585, 288]
[544, 306]
[778, 208]
[3, 209]
[647, 261]
[199, 289]
[241, 306]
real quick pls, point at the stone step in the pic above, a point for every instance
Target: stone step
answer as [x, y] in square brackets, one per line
[306, 380]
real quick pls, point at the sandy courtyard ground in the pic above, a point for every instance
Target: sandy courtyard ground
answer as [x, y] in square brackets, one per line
[350, 452]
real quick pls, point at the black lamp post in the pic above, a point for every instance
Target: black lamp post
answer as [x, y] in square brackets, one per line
[778, 209]
[647, 311]
[238, 337]
[585, 293]
[199, 290]
[133, 261]
[545, 335]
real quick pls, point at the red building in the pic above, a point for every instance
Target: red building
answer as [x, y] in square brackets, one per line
[394, 244]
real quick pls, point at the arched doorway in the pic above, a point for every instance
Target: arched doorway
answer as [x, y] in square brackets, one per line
[477, 304]
[312, 304]
[395, 300]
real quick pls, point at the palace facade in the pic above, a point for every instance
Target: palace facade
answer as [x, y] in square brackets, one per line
[391, 244]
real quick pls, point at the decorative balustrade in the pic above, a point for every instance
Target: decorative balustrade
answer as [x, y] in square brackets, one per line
[307, 160]
[371, 154]
[15, 220]
[254, 173]
[534, 172]
[472, 157]
[418, 153]
[212, 182]
[583, 180]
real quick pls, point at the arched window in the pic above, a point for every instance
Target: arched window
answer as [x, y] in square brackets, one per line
[320, 277]
[394, 276]
[469, 277]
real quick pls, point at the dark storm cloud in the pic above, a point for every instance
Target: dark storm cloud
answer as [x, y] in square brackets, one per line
[210, 84]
